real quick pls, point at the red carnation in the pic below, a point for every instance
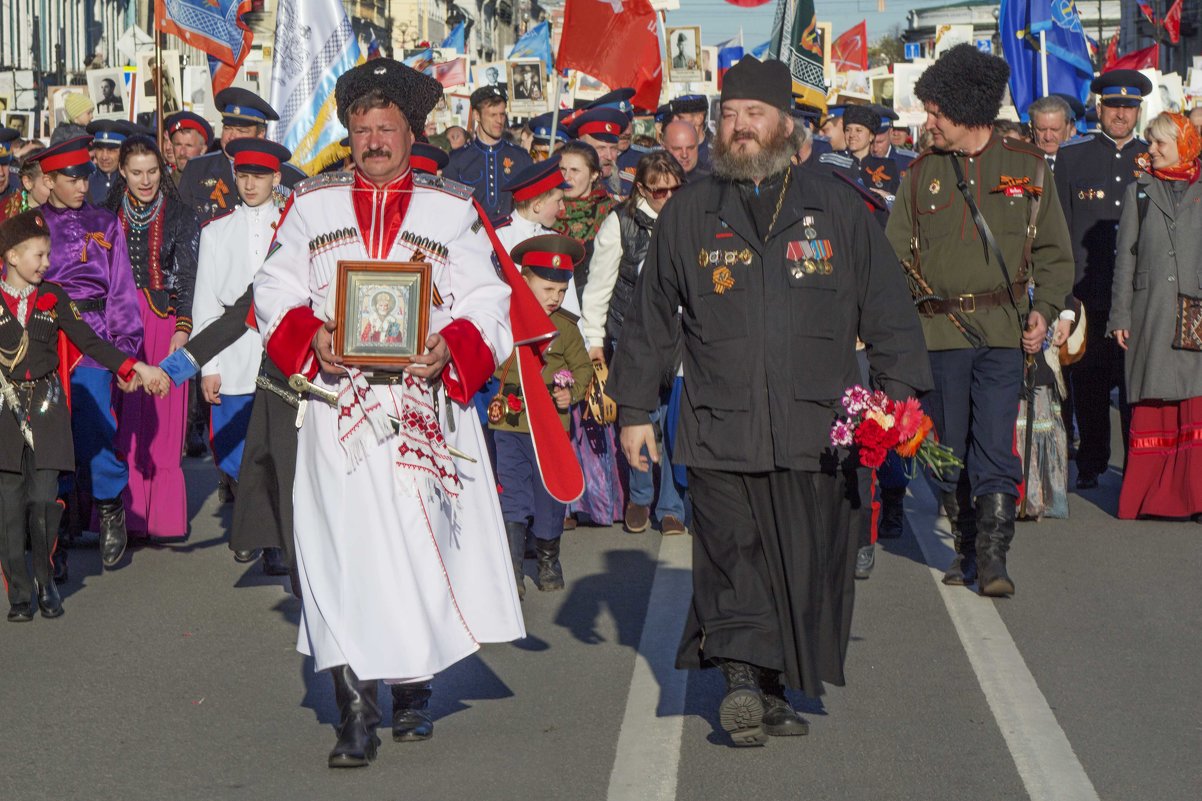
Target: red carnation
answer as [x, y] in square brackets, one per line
[872, 457]
[514, 403]
[869, 434]
[46, 302]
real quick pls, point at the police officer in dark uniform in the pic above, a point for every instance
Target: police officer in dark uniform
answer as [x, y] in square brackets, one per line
[883, 148]
[488, 161]
[775, 270]
[207, 183]
[1092, 172]
[972, 296]
[107, 136]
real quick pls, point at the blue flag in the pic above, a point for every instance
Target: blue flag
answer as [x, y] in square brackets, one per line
[1069, 69]
[455, 39]
[761, 51]
[536, 43]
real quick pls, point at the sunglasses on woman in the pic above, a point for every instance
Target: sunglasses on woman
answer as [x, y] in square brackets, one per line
[660, 194]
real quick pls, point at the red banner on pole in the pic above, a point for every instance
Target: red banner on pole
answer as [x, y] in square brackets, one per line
[614, 41]
[850, 50]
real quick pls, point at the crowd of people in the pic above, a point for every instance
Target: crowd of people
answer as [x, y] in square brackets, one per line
[656, 332]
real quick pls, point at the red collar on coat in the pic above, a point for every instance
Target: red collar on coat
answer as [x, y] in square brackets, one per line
[379, 210]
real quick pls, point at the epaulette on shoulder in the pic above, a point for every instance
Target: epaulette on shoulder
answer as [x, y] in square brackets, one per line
[461, 191]
[325, 179]
[567, 315]
[1077, 140]
[837, 159]
[221, 216]
[1019, 146]
[501, 222]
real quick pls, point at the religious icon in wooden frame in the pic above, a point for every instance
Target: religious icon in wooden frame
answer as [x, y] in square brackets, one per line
[382, 312]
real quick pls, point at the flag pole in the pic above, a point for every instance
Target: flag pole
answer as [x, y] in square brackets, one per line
[156, 75]
[559, 79]
[1043, 59]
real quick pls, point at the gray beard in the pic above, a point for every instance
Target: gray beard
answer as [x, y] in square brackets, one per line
[774, 157]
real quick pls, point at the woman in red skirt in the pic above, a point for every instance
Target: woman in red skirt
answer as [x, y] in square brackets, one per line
[1157, 288]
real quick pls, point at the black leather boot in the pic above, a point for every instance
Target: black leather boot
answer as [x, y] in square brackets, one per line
[227, 488]
[958, 508]
[550, 572]
[411, 721]
[995, 530]
[113, 537]
[780, 718]
[61, 573]
[742, 709]
[43, 533]
[893, 514]
[273, 562]
[517, 552]
[358, 716]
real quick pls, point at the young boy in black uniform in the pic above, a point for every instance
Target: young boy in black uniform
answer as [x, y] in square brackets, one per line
[35, 421]
[547, 264]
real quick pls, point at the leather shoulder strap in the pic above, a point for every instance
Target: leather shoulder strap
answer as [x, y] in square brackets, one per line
[1041, 171]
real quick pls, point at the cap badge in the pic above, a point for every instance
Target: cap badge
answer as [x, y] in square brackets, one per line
[555, 261]
[380, 70]
[236, 110]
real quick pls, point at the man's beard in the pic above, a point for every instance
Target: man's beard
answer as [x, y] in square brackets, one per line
[775, 155]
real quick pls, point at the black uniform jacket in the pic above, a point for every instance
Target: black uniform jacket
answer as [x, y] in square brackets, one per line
[1091, 176]
[224, 331]
[207, 184]
[769, 340]
[38, 387]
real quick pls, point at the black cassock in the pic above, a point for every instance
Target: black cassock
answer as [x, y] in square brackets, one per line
[263, 506]
[770, 313]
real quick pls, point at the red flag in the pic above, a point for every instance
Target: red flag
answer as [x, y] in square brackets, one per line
[1148, 58]
[1172, 22]
[1147, 12]
[451, 73]
[850, 50]
[1112, 53]
[747, 3]
[615, 41]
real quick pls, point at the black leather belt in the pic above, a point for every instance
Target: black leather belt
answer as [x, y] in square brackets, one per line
[92, 305]
[384, 378]
[968, 304]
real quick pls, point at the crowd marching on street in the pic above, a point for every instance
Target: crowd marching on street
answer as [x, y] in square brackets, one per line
[420, 369]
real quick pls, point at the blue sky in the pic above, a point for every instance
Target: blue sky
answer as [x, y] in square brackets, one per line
[720, 20]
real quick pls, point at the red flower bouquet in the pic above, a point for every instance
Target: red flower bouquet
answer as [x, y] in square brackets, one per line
[876, 425]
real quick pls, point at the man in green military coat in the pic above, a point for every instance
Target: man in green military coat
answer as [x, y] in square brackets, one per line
[982, 304]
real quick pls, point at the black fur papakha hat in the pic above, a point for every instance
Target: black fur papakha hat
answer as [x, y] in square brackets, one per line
[966, 84]
[20, 227]
[413, 93]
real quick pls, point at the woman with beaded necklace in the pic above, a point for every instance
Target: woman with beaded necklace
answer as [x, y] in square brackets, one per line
[163, 237]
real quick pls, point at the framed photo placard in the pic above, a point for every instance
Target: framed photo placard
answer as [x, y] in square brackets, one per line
[382, 312]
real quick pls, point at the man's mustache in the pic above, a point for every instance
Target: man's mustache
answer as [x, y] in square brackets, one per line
[739, 137]
[378, 153]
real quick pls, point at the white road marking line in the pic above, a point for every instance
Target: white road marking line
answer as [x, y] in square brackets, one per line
[1046, 763]
[648, 753]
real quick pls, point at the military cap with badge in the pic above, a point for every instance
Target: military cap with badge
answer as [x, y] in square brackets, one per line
[241, 108]
[7, 137]
[537, 179]
[258, 156]
[189, 121]
[428, 158]
[1121, 88]
[70, 158]
[110, 133]
[414, 93]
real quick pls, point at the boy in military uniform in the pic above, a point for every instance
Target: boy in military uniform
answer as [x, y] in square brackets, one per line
[547, 263]
[977, 218]
[35, 423]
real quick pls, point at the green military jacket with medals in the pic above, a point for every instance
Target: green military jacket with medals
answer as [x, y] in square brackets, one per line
[951, 255]
[566, 352]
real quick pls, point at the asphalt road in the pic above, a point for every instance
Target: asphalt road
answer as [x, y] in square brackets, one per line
[176, 677]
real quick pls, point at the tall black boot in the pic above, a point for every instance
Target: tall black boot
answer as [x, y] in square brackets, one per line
[995, 530]
[516, 532]
[550, 572]
[957, 506]
[358, 716]
[59, 554]
[113, 537]
[411, 722]
[780, 718]
[273, 562]
[893, 514]
[742, 709]
[43, 532]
